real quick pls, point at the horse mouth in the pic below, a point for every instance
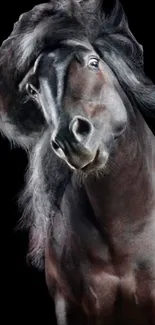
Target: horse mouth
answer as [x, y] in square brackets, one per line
[92, 163]
[97, 163]
[89, 164]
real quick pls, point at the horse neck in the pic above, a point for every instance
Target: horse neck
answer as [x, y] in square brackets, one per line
[128, 190]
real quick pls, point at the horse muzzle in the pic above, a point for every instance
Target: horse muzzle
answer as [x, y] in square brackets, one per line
[73, 143]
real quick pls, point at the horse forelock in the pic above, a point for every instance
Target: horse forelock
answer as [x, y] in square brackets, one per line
[47, 25]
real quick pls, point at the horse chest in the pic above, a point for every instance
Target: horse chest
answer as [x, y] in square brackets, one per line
[125, 299]
[118, 290]
[123, 283]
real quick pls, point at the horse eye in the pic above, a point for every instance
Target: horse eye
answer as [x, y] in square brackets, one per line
[93, 63]
[30, 89]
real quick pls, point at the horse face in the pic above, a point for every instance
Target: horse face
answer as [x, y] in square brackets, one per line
[80, 99]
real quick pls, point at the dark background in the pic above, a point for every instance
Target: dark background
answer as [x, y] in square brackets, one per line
[23, 288]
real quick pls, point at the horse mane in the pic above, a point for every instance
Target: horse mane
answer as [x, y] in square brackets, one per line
[40, 199]
[104, 24]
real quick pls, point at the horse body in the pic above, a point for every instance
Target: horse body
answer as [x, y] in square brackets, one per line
[79, 103]
[109, 247]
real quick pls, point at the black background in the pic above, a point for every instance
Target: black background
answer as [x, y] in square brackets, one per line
[23, 288]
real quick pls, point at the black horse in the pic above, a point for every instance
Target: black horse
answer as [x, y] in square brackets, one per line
[74, 94]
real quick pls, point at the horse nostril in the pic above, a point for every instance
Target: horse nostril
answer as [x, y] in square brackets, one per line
[81, 127]
[58, 147]
[55, 145]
